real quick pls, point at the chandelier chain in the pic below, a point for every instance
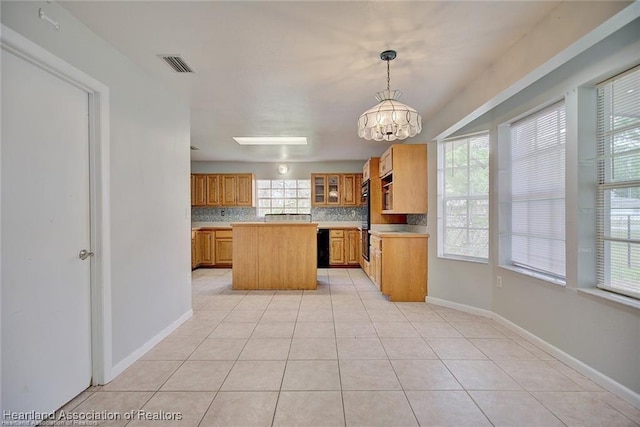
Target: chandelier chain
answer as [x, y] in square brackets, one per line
[388, 76]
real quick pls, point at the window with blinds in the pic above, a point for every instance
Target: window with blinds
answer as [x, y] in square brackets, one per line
[619, 184]
[464, 197]
[537, 196]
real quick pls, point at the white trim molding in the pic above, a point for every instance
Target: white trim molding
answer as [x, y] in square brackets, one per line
[596, 376]
[137, 354]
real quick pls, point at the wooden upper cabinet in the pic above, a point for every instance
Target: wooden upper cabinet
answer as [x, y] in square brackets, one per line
[386, 162]
[193, 189]
[335, 189]
[403, 173]
[349, 195]
[229, 190]
[198, 190]
[244, 190]
[318, 189]
[222, 189]
[359, 180]
[213, 190]
[366, 171]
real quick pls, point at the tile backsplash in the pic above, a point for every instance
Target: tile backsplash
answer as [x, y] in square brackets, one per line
[204, 214]
[417, 219]
[339, 214]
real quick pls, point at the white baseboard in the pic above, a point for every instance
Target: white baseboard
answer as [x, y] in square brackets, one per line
[596, 376]
[137, 354]
[461, 307]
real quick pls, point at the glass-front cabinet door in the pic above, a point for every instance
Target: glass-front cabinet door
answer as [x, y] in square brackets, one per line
[333, 189]
[319, 189]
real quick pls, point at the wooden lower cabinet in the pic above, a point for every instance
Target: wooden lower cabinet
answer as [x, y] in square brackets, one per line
[211, 248]
[398, 265]
[336, 247]
[375, 266]
[344, 247]
[195, 250]
[352, 249]
[224, 247]
[208, 249]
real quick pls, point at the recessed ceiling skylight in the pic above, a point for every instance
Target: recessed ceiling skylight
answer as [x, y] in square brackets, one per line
[271, 140]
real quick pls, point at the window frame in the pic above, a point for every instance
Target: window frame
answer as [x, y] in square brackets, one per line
[443, 198]
[606, 183]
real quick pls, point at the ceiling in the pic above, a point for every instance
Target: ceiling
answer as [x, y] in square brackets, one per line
[300, 68]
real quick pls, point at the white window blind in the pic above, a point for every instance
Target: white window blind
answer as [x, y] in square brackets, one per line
[464, 197]
[538, 192]
[284, 196]
[619, 184]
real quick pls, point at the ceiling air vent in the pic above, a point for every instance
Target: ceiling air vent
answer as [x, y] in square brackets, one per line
[177, 63]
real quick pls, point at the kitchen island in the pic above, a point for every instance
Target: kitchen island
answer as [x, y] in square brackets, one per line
[274, 255]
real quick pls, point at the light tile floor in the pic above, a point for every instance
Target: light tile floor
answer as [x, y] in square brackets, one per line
[345, 355]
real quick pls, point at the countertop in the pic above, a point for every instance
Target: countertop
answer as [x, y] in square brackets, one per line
[275, 224]
[398, 234]
[321, 224]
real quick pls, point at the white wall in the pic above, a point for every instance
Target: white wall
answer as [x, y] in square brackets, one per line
[265, 170]
[603, 334]
[149, 179]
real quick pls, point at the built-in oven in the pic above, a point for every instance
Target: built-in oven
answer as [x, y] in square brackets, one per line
[366, 222]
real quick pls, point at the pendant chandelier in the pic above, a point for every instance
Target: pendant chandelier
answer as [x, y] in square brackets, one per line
[390, 119]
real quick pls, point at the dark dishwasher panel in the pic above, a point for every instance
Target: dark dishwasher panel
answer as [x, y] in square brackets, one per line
[323, 248]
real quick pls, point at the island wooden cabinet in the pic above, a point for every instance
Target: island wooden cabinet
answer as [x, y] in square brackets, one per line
[398, 265]
[344, 247]
[403, 178]
[275, 255]
[222, 190]
[336, 189]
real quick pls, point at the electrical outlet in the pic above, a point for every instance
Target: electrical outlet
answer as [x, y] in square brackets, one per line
[499, 281]
[222, 212]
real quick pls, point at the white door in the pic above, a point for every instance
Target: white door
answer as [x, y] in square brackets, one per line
[46, 331]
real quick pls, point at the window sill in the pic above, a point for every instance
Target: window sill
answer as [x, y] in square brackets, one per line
[535, 275]
[462, 258]
[611, 296]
